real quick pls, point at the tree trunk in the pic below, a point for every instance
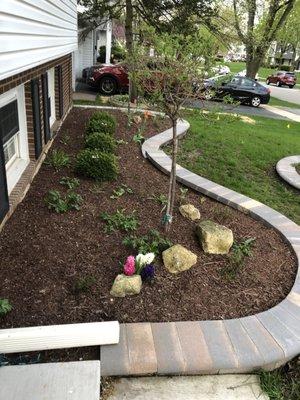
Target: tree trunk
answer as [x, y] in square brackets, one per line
[252, 66]
[172, 184]
[129, 47]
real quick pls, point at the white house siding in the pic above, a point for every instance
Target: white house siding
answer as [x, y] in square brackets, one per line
[33, 32]
[84, 56]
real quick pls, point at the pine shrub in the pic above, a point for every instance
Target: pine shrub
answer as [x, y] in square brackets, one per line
[101, 142]
[97, 165]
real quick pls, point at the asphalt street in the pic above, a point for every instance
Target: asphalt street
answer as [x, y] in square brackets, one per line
[284, 93]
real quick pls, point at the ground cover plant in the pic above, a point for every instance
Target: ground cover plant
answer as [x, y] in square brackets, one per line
[49, 252]
[243, 156]
[283, 383]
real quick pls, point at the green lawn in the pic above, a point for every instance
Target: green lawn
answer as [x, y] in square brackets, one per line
[262, 73]
[282, 103]
[242, 156]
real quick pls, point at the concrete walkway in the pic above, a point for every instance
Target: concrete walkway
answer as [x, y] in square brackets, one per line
[226, 387]
[54, 381]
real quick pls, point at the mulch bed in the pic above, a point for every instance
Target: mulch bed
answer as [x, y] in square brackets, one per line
[44, 253]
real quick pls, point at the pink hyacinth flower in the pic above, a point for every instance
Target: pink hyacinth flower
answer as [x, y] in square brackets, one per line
[129, 266]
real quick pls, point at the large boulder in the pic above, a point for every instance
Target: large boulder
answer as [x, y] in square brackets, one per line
[178, 259]
[214, 238]
[126, 285]
[189, 211]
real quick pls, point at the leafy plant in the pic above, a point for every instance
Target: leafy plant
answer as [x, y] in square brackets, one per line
[161, 199]
[5, 307]
[101, 122]
[84, 284]
[153, 242]
[71, 183]
[120, 221]
[244, 247]
[120, 191]
[58, 159]
[138, 138]
[100, 141]
[237, 256]
[65, 139]
[74, 201]
[183, 195]
[55, 201]
[97, 165]
[121, 141]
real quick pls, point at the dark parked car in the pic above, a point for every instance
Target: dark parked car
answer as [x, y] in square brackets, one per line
[281, 78]
[240, 88]
[108, 79]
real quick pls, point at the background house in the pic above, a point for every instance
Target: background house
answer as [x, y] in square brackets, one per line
[89, 45]
[287, 56]
[37, 41]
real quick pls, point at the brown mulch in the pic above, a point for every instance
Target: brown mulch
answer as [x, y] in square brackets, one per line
[44, 253]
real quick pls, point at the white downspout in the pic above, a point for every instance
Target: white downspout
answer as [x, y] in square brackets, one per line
[108, 42]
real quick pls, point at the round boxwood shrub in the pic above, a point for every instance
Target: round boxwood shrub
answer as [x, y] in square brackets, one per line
[101, 122]
[100, 141]
[97, 165]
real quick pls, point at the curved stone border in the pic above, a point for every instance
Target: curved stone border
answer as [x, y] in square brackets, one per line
[265, 340]
[285, 168]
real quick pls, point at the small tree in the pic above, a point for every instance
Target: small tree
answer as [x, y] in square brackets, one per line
[170, 79]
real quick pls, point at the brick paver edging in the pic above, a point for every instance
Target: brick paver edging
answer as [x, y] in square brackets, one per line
[265, 340]
[286, 169]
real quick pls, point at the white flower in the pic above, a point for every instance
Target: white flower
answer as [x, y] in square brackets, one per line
[144, 259]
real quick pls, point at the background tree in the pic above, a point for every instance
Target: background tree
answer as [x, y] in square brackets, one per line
[257, 24]
[288, 37]
[170, 79]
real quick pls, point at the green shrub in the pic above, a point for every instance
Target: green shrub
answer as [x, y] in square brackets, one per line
[101, 122]
[5, 307]
[55, 201]
[58, 159]
[100, 141]
[97, 165]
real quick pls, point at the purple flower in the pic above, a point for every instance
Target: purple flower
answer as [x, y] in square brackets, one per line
[148, 272]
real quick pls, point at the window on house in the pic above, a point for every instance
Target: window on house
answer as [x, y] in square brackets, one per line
[9, 131]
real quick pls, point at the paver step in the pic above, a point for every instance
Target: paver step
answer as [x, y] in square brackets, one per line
[53, 381]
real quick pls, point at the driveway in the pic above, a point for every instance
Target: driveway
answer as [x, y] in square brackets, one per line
[285, 93]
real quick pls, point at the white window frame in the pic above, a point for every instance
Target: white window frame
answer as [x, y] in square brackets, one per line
[51, 94]
[14, 139]
[16, 166]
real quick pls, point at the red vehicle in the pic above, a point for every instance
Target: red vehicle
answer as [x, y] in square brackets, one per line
[108, 79]
[282, 78]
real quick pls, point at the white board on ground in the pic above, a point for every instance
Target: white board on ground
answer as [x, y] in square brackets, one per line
[212, 387]
[58, 336]
[55, 381]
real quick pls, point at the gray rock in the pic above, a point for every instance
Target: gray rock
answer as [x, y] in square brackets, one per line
[189, 211]
[178, 259]
[126, 285]
[214, 238]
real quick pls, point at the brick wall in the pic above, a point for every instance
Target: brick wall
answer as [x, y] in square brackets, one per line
[35, 73]
[65, 65]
